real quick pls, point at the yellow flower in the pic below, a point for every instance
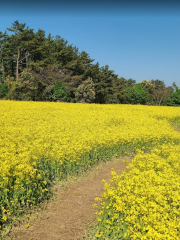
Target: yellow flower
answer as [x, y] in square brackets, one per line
[27, 225]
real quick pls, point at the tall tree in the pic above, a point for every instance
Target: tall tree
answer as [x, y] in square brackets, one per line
[2, 56]
[16, 42]
[16, 48]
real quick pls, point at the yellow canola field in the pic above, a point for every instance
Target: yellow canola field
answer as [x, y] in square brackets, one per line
[41, 141]
[144, 202]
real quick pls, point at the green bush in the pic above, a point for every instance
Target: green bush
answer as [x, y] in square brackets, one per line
[174, 98]
[61, 93]
[136, 94]
[3, 90]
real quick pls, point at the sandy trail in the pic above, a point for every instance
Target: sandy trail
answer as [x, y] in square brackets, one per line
[68, 216]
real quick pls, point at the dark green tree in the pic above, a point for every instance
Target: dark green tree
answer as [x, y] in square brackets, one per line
[16, 49]
[103, 80]
[3, 90]
[118, 89]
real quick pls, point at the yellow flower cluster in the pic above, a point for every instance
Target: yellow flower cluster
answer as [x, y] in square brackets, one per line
[143, 202]
[43, 141]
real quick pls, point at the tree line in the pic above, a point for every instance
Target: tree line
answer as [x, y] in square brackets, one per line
[34, 67]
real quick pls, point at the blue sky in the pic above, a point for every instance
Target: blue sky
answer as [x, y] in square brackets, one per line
[138, 41]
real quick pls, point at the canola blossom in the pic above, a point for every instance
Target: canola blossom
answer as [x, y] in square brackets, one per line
[40, 142]
[143, 203]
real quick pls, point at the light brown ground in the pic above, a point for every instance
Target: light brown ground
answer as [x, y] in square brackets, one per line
[68, 216]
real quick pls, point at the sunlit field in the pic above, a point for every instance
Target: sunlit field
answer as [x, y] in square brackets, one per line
[41, 142]
[143, 203]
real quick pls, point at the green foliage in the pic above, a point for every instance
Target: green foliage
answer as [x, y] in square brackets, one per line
[61, 93]
[48, 94]
[174, 98]
[3, 90]
[136, 94]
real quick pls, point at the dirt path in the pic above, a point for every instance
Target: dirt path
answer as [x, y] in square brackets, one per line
[67, 217]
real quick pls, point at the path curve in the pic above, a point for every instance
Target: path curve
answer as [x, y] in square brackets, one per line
[73, 208]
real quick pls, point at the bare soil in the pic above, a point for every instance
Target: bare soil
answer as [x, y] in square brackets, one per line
[66, 217]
